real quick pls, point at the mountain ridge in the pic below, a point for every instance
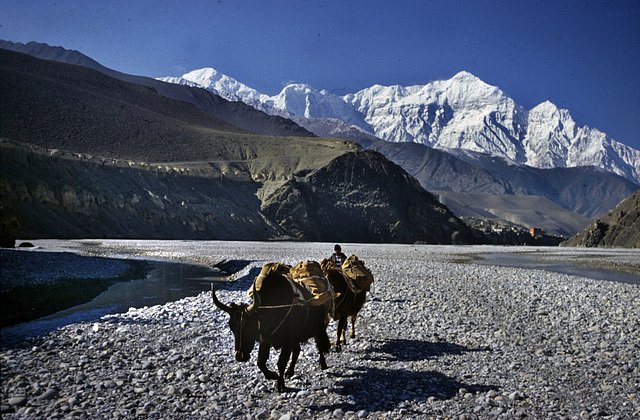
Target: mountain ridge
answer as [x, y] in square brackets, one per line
[459, 113]
[456, 170]
[88, 155]
[586, 191]
[236, 113]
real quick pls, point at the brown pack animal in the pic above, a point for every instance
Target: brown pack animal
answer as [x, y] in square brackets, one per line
[350, 299]
[279, 317]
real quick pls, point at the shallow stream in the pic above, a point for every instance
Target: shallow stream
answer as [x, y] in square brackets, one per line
[167, 282]
[537, 262]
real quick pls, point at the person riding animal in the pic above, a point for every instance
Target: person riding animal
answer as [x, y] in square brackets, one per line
[338, 257]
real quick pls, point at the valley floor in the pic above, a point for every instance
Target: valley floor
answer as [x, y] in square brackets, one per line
[439, 337]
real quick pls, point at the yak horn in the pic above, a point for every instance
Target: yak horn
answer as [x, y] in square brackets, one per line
[256, 300]
[219, 304]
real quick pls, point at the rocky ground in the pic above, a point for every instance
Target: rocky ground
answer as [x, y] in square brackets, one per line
[438, 338]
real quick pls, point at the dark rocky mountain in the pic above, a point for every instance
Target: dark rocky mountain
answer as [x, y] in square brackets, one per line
[618, 228]
[87, 155]
[236, 113]
[397, 208]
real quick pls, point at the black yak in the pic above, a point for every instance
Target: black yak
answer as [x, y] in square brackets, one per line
[279, 317]
[350, 283]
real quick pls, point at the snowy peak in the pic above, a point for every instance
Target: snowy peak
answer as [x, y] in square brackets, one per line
[466, 77]
[462, 112]
[545, 107]
[550, 135]
[547, 111]
[459, 113]
[304, 101]
[297, 99]
[466, 91]
[218, 83]
[462, 93]
[209, 77]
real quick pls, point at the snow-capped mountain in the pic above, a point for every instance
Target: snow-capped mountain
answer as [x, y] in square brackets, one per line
[462, 113]
[295, 100]
[220, 84]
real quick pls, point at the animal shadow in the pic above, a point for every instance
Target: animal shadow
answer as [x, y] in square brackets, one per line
[368, 388]
[415, 350]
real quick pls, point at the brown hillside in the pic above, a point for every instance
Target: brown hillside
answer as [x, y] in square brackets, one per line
[618, 228]
[363, 195]
[59, 106]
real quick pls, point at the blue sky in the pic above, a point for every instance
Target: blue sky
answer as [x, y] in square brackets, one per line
[581, 55]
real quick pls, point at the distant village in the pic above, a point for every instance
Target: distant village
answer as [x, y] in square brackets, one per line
[498, 233]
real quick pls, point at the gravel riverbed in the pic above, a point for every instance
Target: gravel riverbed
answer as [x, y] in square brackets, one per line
[439, 337]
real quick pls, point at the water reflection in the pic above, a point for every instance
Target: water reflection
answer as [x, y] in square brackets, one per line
[167, 282]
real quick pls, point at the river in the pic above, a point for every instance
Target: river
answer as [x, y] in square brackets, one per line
[535, 262]
[167, 282]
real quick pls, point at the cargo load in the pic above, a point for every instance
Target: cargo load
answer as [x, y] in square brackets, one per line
[354, 269]
[310, 276]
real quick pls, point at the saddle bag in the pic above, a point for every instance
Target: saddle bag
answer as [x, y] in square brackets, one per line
[326, 264]
[268, 269]
[309, 275]
[354, 268]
